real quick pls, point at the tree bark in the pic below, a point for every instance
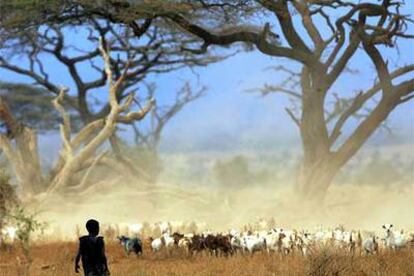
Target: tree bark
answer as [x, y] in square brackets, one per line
[321, 164]
[315, 179]
[21, 149]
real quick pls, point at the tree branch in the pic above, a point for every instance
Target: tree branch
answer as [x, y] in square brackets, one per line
[293, 117]
[241, 34]
[65, 127]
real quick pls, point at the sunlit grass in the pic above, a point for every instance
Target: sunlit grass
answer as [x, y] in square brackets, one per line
[57, 259]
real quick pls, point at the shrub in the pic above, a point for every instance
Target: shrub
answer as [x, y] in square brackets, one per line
[8, 198]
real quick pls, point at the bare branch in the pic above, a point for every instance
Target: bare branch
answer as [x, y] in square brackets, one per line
[267, 88]
[293, 117]
[361, 99]
[73, 164]
[132, 117]
[65, 127]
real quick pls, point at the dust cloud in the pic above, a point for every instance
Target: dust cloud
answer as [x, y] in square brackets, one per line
[231, 189]
[355, 206]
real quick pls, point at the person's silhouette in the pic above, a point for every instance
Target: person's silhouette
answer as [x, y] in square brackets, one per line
[92, 252]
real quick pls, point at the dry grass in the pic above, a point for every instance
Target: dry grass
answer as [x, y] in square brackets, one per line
[57, 259]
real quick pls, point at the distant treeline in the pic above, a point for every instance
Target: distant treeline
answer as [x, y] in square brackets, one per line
[375, 168]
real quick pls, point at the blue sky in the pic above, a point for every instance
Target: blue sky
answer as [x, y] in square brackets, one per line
[232, 118]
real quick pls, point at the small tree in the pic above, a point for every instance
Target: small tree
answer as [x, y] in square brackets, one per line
[8, 198]
[26, 224]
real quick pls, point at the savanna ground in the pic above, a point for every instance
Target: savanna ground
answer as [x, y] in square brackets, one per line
[57, 259]
[356, 207]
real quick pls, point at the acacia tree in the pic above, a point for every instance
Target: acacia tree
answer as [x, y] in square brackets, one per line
[153, 47]
[324, 59]
[78, 152]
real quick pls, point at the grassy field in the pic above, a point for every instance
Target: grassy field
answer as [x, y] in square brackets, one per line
[57, 259]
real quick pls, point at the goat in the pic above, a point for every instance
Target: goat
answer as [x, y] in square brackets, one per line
[304, 243]
[237, 243]
[254, 243]
[167, 240]
[394, 239]
[370, 245]
[177, 237]
[197, 244]
[272, 241]
[156, 244]
[131, 245]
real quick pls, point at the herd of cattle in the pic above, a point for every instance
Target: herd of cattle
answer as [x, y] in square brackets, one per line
[272, 240]
[192, 239]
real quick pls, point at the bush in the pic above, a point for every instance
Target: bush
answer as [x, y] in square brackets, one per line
[8, 198]
[26, 225]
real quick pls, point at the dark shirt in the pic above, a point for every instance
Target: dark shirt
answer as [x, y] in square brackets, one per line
[92, 253]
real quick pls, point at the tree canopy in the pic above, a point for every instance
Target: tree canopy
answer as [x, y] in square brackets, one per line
[33, 106]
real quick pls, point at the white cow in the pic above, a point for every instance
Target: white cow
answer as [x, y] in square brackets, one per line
[304, 243]
[287, 241]
[168, 241]
[273, 241]
[395, 239]
[254, 243]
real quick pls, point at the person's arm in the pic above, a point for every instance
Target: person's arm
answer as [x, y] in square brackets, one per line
[77, 259]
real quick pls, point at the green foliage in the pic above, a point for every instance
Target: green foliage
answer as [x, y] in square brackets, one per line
[8, 198]
[26, 225]
[11, 212]
[33, 107]
[20, 14]
[17, 15]
[233, 172]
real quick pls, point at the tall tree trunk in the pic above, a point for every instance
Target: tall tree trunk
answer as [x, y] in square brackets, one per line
[21, 149]
[320, 163]
[316, 173]
[315, 179]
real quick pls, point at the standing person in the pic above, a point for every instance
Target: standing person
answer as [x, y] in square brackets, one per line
[92, 252]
